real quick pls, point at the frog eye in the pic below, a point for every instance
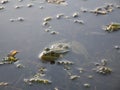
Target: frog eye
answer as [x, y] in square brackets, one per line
[47, 49]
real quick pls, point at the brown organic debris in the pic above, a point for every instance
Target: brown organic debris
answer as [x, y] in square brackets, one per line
[10, 58]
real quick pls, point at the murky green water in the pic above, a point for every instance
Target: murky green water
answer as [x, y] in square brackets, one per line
[91, 44]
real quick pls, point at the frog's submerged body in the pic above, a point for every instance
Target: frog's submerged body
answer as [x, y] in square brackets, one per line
[60, 48]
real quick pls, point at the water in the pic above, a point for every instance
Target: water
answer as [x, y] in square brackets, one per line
[30, 38]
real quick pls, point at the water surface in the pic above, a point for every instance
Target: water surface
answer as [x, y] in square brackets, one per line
[29, 37]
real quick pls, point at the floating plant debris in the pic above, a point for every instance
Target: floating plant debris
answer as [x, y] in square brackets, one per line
[20, 0]
[12, 20]
[117, 47]
[56, 88]
[47, 30]
[3, 83]
[41, 7]
[66, 67]
[76, 14]
[56, 1]
[73, 77]
[112, 27]
[79, 21]
[42, 69]
[103, 10]
[47, 19]
[90, 76]
[53, 32]
[20, 66]
[65, 62]
[13, 53]
[10, 58]
[54, 52]
[98, 11]
[2, 7]
[17, 7]
[102, 68]
[83, 10]
[118, 6]
[45, 23]
[4, 1]
[37, 80]
[30, 5]
[58, 16]
[20, 19]
[87, 85]
[38, 77]
[81, 70]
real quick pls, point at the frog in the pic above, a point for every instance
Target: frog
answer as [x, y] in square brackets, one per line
[54, 52]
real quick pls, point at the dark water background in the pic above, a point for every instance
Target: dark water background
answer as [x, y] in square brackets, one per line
[30, 38]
